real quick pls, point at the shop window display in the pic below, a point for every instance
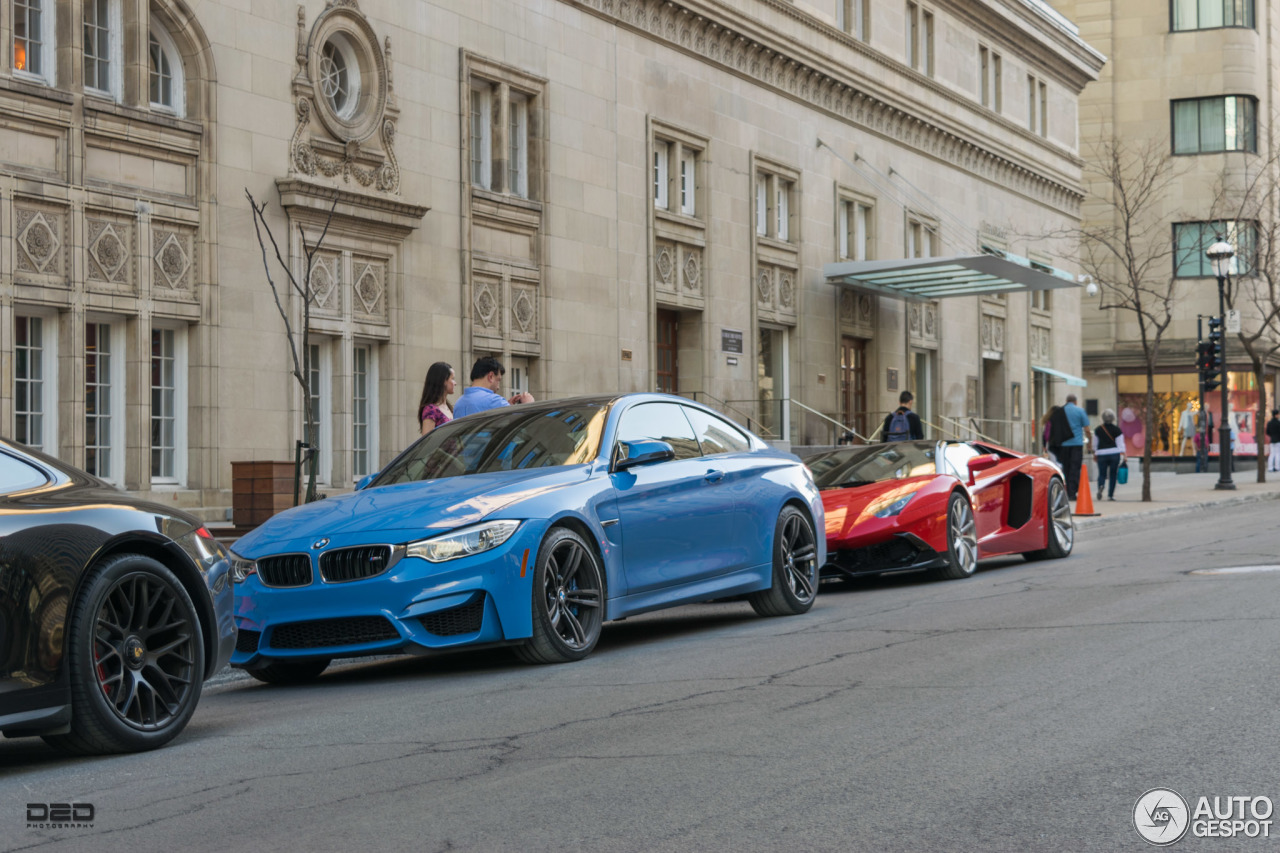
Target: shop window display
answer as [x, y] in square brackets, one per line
[1177, 412]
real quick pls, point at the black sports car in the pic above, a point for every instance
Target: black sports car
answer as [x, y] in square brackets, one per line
[113, 610]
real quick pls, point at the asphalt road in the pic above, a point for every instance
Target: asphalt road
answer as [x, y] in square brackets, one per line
[1024, 709]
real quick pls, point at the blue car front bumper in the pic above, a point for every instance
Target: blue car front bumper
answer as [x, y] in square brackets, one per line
[415, 606]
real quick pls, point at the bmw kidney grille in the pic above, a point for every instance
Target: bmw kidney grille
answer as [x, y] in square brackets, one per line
[353, 564]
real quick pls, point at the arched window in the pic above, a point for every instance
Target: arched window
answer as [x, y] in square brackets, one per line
[167, 82]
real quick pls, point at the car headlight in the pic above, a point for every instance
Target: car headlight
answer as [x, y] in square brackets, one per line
[463, 543]
[242, 568]
[891, 504]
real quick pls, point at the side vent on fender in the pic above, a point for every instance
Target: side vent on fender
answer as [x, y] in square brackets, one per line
[1021, 498]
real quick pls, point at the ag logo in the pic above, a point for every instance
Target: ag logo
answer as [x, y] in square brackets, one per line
[1161, 816]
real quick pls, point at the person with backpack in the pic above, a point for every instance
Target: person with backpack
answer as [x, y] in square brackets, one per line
[903, 424]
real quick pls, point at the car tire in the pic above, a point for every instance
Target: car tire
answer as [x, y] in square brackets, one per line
[290, 672]
[568, 600]
[1060, 526]
[961, 559]
[135, 655]
[795, 568]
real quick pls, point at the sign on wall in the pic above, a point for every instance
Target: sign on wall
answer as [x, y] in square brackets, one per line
[730, 340]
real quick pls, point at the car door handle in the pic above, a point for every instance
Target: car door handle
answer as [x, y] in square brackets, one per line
[714, 476]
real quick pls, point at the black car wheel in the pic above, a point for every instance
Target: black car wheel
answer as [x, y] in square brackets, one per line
[568, 600]
[1061, 526]
[135, 653]
[795, 567]
[290, 672]
[962, 540]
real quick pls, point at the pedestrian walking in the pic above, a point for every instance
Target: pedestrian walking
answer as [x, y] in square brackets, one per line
[482, 394]
[1072, 455]
[1108, 449]
[433, 408]
[902, 424]
[1273, 436]
[1057, 430]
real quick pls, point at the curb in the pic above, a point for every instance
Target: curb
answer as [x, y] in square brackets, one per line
[1086, 523]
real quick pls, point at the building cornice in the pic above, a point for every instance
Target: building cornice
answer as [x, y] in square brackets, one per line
[747, 48]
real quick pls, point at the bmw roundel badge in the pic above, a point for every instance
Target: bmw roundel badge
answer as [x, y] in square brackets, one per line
[318, 544]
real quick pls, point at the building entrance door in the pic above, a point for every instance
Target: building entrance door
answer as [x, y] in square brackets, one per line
[853, 383]
[667, 364]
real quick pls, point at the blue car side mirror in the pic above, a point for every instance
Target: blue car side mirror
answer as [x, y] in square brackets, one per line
[633, 453]
[366, 480]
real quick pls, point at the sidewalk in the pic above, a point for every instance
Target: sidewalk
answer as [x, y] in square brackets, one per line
[1175, 493]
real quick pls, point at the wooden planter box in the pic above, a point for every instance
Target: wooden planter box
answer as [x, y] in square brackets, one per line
[259, 490]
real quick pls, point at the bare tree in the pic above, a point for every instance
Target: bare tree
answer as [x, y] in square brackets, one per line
[1245, 212]
[301, 338]
[1125, 247]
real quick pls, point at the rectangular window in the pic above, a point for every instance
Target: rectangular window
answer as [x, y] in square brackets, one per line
[363, 443]
[29, 36]
[921, 239]
[1031, 102]
[855, 15]
[482, 134]
[101, 390]
[1041, 299]
[926, 45]
[30, 386]
[762, 205]
[661, 178]
[320, 379]
[1208, 125]
[97, 45]
[782, 191]
[984, 76]
[688, 182]
[518, 142]
[913, 36]
[1209, 14]
[855, 230]
[1044, 109]
[165, 408]
[1192, 239]
[997, 83]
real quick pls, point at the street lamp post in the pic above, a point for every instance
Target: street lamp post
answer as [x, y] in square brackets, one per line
[1220, 255]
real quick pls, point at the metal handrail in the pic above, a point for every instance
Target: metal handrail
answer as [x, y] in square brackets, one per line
[752, 423]
[970, 427]
[842, 427]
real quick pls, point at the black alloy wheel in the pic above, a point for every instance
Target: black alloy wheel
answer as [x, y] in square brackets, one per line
[568, 600]
[1061, 527]
[136, 657]
[795, 567]
[962, 540]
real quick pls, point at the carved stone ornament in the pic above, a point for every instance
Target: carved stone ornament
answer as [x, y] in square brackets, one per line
[486, 304]
[345, 111]
[369, 287]
[666, 266]
[865, 306]
[787, 291]
[108, 253]
[172, 262]
[692, 270]
[523, 309]
[38, 238]
[325, 278]
[764, 286]
[847, 306]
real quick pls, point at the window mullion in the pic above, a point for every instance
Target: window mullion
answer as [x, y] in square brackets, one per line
[501, 141]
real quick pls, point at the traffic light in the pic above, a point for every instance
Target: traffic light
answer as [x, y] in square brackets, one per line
[1209, 356]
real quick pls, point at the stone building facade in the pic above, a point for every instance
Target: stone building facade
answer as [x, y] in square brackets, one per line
[1191, 77]
[607, 194]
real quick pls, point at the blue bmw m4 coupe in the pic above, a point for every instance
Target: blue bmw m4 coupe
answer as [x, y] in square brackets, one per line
[531, 526]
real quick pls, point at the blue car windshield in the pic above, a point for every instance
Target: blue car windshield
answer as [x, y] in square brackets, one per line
[510, 439]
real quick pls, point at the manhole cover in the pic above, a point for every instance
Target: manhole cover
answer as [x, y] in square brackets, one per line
[1236, 570]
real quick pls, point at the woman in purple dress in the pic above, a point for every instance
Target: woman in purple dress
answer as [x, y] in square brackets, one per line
[433, 408]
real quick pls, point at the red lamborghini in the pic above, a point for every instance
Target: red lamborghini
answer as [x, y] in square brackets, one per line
[938, 506]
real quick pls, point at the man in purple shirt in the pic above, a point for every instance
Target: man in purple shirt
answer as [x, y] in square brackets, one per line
[482, 394]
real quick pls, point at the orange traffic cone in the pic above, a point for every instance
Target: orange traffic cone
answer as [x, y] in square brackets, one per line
[1084, 493]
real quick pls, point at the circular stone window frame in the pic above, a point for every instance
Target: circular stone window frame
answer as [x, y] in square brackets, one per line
[366, 74]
